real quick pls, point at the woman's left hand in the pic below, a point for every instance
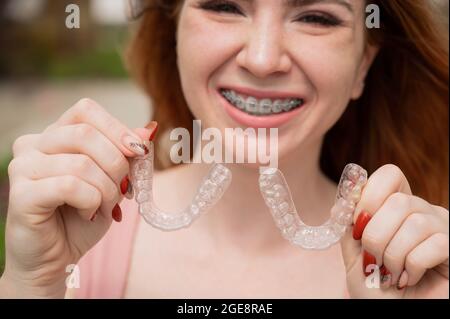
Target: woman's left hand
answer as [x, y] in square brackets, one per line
[400, 240]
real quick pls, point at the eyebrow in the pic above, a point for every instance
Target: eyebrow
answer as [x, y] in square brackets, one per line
[298, 3]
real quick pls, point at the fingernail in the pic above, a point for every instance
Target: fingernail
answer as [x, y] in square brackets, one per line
[403, 281]
[146, 146]
[134, 145]
[384, 271]
[361, 223]
[126, 187]
[117, 213]
[152, 136]
[368, 259]
[94, 217]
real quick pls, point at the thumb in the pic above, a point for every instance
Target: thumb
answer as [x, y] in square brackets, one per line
[351, 241]
[385, 181]
[351, 250]
[355, 260]
[359, 264]
[147, 133]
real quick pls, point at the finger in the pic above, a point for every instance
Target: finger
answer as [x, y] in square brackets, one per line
[23, 144]
[387, 220]
[414, 230]
[89, 112]
[430, 253]
[85, 139]
[386, 180]
[147, 134]
[351, 254]
[80, 165]
[42, 197]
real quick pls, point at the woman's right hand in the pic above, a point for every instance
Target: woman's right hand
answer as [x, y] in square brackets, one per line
[64, 186]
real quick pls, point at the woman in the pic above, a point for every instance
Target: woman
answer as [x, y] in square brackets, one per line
[376, 97]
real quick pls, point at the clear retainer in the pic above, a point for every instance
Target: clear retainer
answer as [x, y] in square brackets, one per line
[209, 192]
[277, 196]
[275, 192]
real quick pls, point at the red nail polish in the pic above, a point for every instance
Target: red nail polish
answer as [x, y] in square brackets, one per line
[124, 184]
[384, 271]
[126, 188]
[152, 136]
[361, 223]
[368, 259]
[117, 213]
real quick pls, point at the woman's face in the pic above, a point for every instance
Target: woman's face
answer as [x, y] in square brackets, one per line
[293, 65]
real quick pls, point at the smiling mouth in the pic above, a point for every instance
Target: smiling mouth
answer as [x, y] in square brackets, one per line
[260, 107]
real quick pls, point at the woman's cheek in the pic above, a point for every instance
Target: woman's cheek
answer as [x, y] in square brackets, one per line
[204, 44]
[196, 65]
[194, 60]
[330, 68]
[203, 48]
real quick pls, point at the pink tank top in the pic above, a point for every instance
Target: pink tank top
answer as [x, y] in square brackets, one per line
[104, 269]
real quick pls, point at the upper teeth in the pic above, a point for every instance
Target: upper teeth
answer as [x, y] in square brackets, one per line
[255, 106]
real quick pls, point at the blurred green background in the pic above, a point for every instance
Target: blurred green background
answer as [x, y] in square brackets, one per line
[46, 67]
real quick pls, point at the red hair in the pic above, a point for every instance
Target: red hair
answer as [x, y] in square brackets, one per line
[401, 118]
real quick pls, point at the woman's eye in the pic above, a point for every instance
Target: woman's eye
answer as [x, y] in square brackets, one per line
[320, 19]
[221, 6]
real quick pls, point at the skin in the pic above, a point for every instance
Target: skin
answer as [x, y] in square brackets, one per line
[262, 48]
[235, 246]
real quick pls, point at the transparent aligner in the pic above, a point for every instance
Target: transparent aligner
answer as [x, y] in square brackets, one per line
[277, 196]
[209, 192]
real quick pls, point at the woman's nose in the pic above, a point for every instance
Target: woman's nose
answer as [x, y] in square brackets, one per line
[264, 52]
